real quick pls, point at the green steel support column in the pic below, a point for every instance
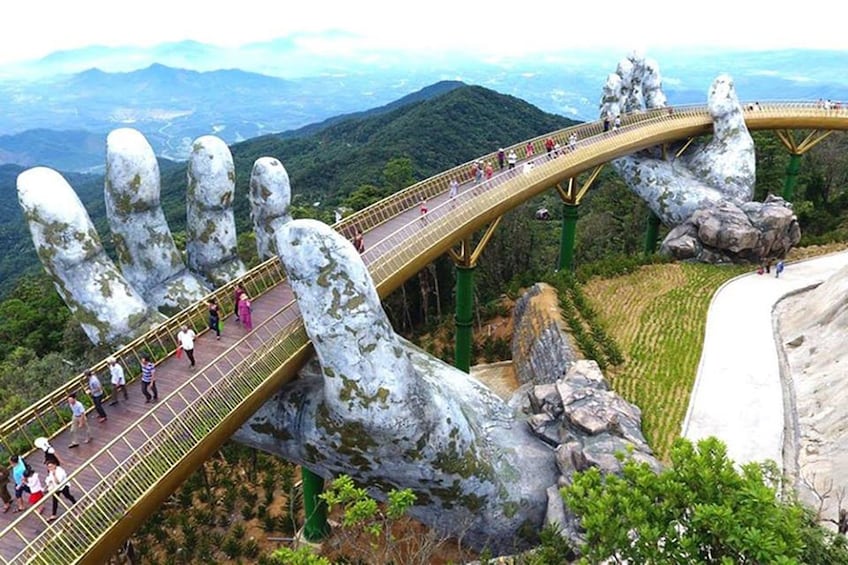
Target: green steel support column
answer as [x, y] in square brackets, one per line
[464, 316]
[569, 232]
[791, 176]
[652, 233]
[316, 527]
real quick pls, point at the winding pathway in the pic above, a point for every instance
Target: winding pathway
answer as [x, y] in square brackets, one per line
[738, 393]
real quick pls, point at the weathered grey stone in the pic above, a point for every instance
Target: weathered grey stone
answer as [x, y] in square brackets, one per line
[570, 458]
[541, 350]
[148, 257]
[729, 233]
[715, 178]
[211, 245]
[108, 309]
[555, 514]
[605, 452]
[815, 325]
[546, 398]
[389, 415]
[545, 427]
[270, 195]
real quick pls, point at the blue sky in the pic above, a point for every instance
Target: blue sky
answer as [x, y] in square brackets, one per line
[33, 30]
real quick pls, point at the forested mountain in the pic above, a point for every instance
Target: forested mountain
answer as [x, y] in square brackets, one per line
[434, 129]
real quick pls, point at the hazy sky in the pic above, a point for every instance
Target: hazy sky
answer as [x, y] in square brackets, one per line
[34, 29]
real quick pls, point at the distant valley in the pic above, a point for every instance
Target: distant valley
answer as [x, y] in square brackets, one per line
[61, 120]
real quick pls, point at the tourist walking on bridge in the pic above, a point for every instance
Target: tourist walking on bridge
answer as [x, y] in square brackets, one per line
[148, 380]
[359, 242]
[57, 483]
[4, 488]
[19, 467]
[78, 420]
[36, 489]
[95, 391]
[512, 159]
[501, 158]
[245, 312]
[119, 382]
[214, 317]
[185, 339]
[239, 290]
[49, 453]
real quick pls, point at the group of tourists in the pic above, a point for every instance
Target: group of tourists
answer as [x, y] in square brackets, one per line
[765, 268]
[30, 485]
[27, 482]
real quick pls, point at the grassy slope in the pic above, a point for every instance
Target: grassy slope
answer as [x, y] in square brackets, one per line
[657, 316]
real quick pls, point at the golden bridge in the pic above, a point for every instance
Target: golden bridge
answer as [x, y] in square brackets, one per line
[145, 451]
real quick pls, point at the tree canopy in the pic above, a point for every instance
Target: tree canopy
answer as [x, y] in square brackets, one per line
[701, 509]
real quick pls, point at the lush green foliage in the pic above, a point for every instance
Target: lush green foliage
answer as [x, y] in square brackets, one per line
[701, 509]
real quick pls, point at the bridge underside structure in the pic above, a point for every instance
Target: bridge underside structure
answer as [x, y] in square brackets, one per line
[147, 451]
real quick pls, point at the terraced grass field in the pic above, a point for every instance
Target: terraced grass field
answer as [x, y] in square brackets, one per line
[657, 316]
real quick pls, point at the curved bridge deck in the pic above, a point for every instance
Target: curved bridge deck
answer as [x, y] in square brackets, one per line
[144, 452]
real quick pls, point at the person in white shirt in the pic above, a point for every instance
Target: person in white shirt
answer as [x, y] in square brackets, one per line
[186, 341]
[57, 483]
[511, 159]
[119, 382]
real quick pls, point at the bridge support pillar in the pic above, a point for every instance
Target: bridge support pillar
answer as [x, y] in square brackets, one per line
[796, 150]
[652, 232]
[568, 236]
[791, 176]
[316, 527]
[464, 316]
[465, 260]
[571, 194]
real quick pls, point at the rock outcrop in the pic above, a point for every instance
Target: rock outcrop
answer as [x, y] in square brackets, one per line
[541, 351]
[728, 232]
[714, 180]
[813, 330]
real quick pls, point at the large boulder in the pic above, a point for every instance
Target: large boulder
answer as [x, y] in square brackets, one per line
[541, 351]
[727, 232]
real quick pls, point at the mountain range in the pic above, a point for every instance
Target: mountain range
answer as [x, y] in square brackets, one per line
[433, 129]
[58, 110]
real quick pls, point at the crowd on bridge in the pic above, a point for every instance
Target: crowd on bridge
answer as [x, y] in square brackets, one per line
[29, 484]
[483, 170]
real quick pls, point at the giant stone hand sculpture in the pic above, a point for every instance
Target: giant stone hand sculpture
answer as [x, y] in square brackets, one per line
[112, 304]
[391, 415]
[705, 194]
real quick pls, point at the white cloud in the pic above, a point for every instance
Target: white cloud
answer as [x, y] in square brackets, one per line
[472, 27]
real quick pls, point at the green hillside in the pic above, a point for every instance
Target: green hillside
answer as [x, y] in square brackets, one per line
[453, 126]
